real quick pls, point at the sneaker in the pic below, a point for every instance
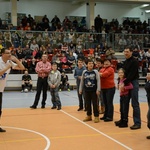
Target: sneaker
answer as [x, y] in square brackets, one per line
[68, 90]
[59, 90]
[96, 119]
[31, 91]
[134, 127]
[88, 118]
[22, 91]
[2, 130]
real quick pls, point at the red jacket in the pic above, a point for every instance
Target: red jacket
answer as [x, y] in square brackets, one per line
[107, 78]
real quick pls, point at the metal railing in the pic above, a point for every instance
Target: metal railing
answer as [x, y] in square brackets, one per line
[88, 40]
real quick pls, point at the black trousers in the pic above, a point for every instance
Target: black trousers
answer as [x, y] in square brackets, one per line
[27, 85]
[124, 107]
[42, 85]
[91, 98]
[1, 94]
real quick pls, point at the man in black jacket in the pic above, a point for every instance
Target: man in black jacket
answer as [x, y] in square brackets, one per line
[131, 66]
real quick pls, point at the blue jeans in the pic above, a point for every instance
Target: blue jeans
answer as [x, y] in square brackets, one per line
[108, 96]
[133, 95]
[81, 98]
[55, 97]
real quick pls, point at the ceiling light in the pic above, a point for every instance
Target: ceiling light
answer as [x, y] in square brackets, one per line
[144, 5]
[147, 11]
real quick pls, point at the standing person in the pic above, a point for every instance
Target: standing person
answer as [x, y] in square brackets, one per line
[7, 61]
[77, 75]
[124, 100]
[131, 67]
[43, 68]
[98, 23]
[90, 82]
[99, 65]
[147, 89]
[108, 90]
[54, 79]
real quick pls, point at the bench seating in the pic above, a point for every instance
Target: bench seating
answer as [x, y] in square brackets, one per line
[14, 81]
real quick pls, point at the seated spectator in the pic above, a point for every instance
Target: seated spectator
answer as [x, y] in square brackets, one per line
[32, 66]
[49, 49]
[59, 64]
[26, 82]
[142, 54]
[71, 60]
[27, 52]
[39, 53]
[64, 48]
[34, 45]
[27, 27]
[64, 82]
[110, 53]
[136, 54]
[19, 53]
[54, 57]
[148, 55]
[63, 59]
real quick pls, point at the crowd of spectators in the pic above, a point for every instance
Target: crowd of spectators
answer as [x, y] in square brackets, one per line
[66, 41]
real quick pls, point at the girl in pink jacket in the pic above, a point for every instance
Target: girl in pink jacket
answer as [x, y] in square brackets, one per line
[124, 100]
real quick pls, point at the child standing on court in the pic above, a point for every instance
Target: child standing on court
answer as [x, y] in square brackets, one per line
[90, 82]
[147, 89]
[124, 100]
[54, 79]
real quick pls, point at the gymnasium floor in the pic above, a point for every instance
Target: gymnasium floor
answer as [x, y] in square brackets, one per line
[44, 129]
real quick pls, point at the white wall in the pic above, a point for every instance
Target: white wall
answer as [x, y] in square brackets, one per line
[110, 11]
[62, 9]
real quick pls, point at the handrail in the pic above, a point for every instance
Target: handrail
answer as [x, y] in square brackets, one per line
[88, 39]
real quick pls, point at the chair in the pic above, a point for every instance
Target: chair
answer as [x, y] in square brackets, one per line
[29, 61]
[85, 52]
[66, 68]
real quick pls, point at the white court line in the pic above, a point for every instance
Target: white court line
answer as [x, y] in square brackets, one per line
[46, 138]
[128, 148]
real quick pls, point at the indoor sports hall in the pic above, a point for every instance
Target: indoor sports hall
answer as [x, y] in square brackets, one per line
[47, 129]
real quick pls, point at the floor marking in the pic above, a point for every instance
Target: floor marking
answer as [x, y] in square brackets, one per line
[46, 138]
[128, 148]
